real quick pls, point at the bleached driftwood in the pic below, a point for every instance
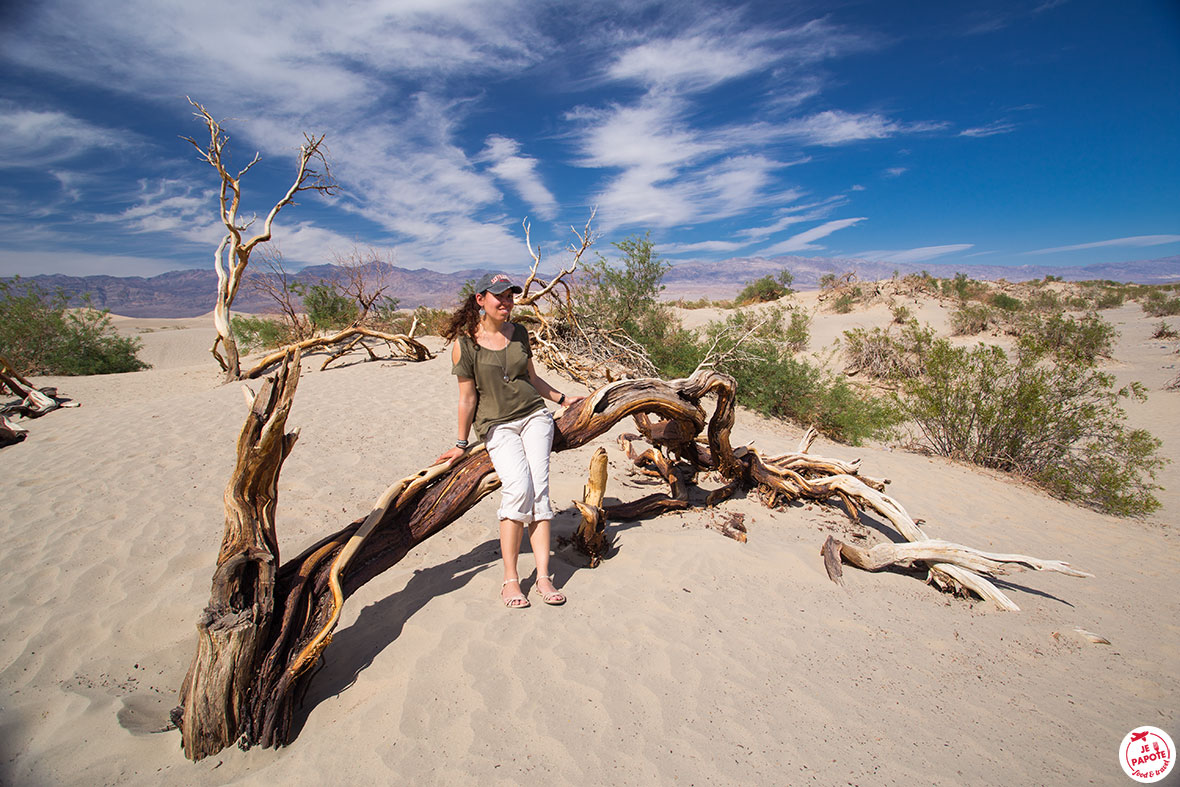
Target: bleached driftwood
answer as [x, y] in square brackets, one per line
[342, 342]
[233, 252]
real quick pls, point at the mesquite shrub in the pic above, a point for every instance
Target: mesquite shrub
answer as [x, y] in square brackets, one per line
[1057, 422]
[40, 334]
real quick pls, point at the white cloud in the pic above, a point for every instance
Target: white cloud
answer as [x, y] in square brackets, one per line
[702, 247]
[803, 241]
[521, 173]
[920, 254]
[836, 127]
[990, 130]
[40, 138]
[895, 172]
[1135, 240]
[694, 62]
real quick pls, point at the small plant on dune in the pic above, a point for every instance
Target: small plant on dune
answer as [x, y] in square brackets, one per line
[969, 319]
[1156, 303]
[1069, 339]
[962, 287]
[880, 354]
[767, 288]
[901, 313]
[1165, 331]
[40, 334]
[798, 330]
[1005, 302]
[1057, 423]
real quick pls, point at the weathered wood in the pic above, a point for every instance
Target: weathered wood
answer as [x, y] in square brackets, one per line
[411, 348]
[591, 538]
[232, 631]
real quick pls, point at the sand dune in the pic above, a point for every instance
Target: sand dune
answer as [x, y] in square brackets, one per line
[684, 658]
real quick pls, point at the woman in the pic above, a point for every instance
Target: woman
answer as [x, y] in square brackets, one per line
[501, 395]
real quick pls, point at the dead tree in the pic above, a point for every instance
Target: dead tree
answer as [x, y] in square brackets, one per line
[233, 253]
[265, 629]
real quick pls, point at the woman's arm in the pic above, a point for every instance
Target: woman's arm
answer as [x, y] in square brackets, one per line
[549, 392]
[468, 397]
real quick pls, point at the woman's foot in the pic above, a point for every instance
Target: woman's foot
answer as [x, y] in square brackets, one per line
[549, 594]
[514, 600]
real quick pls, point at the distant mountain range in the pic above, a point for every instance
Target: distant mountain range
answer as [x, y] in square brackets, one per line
[190, 293]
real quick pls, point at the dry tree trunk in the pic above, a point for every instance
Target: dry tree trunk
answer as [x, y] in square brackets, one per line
[232, 631]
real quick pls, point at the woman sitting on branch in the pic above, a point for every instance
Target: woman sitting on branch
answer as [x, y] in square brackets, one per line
[501, 395]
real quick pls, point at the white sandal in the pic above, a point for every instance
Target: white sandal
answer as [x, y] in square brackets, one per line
[554, 599]
[518, 597]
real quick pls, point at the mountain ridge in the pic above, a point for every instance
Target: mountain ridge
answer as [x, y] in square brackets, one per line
[192, 292]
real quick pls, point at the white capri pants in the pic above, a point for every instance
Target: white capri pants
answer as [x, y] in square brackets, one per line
[520, 453]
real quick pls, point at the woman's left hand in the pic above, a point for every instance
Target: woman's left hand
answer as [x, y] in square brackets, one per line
[570, 401]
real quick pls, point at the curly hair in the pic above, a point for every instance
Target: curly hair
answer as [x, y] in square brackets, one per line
[463, 321]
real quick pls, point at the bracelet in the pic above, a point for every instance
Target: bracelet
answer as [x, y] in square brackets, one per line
[461, 444]
[562, 399]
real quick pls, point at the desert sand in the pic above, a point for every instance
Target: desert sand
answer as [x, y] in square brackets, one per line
[685, 658]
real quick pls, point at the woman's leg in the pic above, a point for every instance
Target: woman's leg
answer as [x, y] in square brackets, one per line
[537, 439]
[507, 453]
[510, 536]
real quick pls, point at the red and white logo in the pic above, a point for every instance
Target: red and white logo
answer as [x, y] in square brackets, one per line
[499, 277]
[1147, 754]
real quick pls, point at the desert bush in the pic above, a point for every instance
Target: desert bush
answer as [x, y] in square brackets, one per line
[430, 321]
[613, 297]
[767, 288]
[1082, 340]
[1108, 299]
[39, 334]
[1044, 300]
[846, 300]
[798, 330]
[1059, 424]
[969, 319]
[1006, 302]
[1165, 331]
[880, 354]
[901, 313]
[1156, 303]
[327, 308]
[260, 333]
[827, 281]
[962, 287]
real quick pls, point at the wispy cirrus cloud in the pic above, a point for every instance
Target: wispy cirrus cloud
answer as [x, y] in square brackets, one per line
[804, 240]
[920, 254]
[36, 138]
[1135, 240]
[520, 172]
[836, 127]
[989, 130]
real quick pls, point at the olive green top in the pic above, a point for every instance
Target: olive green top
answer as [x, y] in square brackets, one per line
[501, 379]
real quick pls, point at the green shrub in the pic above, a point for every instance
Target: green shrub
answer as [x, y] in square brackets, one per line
[827, 281]
[1006, 302]
[39, 334]
[1068, 339]
[768, 288]
[883, 356]
[798, 331]
[1059, 424]
[259, 333]
[1157, 304]
[962, 287]
[1045, 300]
[1165, 331]
[844, 303]
[969, 319]
[1109, 299]
[619, 297]
[326, 307]
[901, 313]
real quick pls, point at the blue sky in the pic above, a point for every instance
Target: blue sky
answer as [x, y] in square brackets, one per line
[974, 133]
